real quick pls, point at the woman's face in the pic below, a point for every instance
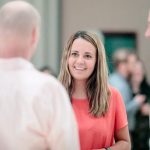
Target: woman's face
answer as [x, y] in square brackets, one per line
[82, 59]
[138, 72]
[131, 61]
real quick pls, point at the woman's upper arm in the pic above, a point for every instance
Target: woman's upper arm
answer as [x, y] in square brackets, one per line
[122, 134]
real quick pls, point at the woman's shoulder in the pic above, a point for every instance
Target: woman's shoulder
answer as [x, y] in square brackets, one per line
[113, 90]
[115, 95]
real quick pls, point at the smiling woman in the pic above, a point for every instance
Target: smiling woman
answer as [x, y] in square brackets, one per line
[84, 75]
[82, 59]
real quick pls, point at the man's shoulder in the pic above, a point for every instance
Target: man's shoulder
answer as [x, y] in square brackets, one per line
[43, 78]
[37, 80]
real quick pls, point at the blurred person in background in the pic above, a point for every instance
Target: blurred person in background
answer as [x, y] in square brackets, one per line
[131, 61]
[140, 85]
[147, 33]
[119, 79]
[99, 108]
[148, 30]
[35, 112]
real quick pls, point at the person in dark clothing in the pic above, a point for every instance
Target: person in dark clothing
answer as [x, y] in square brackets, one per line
[140, 85]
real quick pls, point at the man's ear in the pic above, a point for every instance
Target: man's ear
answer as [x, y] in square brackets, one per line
[34, 36]
[33, 41]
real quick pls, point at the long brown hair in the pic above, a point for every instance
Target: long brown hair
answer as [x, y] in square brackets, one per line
[97, 85]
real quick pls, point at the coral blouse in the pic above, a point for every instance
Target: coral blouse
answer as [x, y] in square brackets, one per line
[96, 133]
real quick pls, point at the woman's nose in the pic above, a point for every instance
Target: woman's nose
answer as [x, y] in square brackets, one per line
[80, 60]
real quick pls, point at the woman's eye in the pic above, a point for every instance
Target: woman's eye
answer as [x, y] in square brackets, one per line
[74, 54]
[88, 56]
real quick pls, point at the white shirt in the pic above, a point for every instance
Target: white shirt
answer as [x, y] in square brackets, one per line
[35, 112]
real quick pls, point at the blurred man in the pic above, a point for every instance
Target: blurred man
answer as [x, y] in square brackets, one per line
[118, 79]
[147, 33]
[35, 113]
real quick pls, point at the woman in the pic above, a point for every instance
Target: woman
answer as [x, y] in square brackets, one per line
[99, 108]
[140, 85]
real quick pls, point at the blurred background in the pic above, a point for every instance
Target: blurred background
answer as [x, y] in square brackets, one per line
[120, 23]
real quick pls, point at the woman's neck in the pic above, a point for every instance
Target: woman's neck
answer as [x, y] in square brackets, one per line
[79, 90]
[135, 87]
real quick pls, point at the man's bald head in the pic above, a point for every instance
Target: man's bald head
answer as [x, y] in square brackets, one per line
[19, 17]
[19, 29]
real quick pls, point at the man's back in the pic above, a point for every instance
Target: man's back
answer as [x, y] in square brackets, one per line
[35, 113]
